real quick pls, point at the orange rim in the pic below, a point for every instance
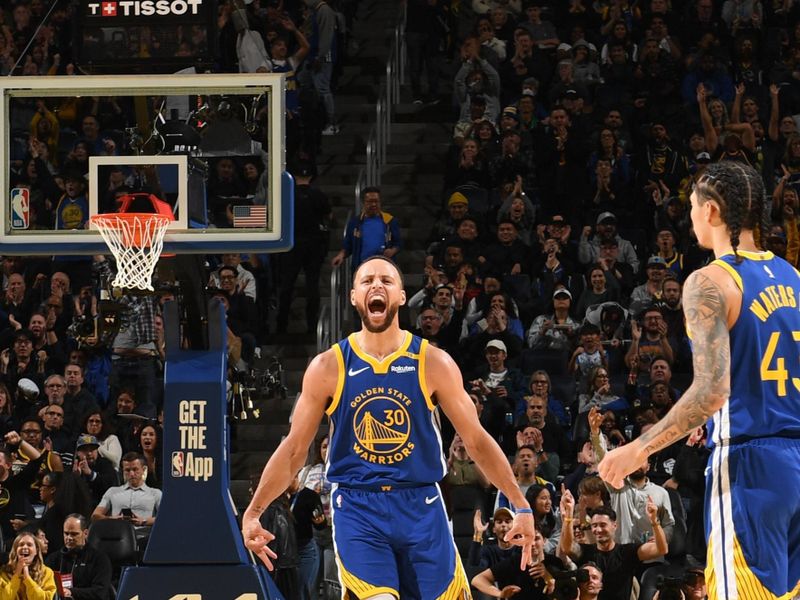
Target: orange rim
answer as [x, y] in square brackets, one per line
[132, 226]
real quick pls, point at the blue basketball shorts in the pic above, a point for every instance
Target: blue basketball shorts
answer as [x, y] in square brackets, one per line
[397, 542]
[753, 520]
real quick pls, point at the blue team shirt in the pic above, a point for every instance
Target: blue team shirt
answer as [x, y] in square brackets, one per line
[382, 419]
[765, 352]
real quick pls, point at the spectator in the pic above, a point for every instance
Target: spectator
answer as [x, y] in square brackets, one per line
[89, 569]
[6, 420]
[279, 520]
[604, 287]
[618, 562]
[134, 363]
[25, 575]
[60, 440]
[17, 484]
[62, 494]
[21, 363]
[506, 579]
[541, 386]
[499, 386]
[649, 340]
[245, 282]
[150, 448]
[554, 331]
[587, 357]
[322, 57]
[77, 400]
[507, 255]
[373, 232]
[525, 463]
[307, 512]
[47, 341]
[55, 388]
[499, 316]
[31, 432]
[599, 394]
[312, 215]
[694, 584]
[554, 440]
[98, 472]
[134, 495]
[631, 502]
[605, 231]
[462, 470]
[241, 313]
[547, 521]
[72, 210]
[426, 39]
[650, 291]
[96, 424]
[484, 554]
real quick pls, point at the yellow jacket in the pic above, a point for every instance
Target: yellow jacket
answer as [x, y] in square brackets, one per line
[15, 588]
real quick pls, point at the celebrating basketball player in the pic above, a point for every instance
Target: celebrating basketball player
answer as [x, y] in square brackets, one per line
[380, 387]
[741, 311]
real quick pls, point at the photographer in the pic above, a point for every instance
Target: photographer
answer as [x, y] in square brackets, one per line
[584, 584]
[505, 579]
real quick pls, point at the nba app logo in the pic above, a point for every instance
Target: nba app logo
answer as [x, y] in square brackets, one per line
[20, 208]
[177, 464]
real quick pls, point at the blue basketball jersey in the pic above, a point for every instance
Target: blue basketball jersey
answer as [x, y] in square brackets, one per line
[765, 352]
[382, 419]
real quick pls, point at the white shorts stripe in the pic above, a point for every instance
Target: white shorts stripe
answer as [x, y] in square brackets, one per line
[721, 510]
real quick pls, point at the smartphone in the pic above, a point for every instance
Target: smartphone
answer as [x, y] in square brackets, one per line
[127, 513]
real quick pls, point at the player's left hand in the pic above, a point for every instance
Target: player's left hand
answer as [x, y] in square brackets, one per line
[521, 534]
[619, 463]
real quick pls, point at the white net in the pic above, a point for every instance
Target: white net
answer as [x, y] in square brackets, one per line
[136, 240]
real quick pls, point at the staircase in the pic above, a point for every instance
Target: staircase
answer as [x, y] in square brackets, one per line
[411, 186]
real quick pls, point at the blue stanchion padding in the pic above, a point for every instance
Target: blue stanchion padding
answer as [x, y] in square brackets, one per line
[196, 551]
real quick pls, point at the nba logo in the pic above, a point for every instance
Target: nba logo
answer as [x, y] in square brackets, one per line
[177, 464]
[20, 208]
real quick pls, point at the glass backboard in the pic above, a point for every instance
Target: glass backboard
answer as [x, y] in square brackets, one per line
[211, 146]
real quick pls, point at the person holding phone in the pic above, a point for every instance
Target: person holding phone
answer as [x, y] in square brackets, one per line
[134, 501]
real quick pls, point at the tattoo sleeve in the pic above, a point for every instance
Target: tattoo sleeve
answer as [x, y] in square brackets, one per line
[706, 318]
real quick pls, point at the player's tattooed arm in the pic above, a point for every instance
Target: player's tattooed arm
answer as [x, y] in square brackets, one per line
[706, 313]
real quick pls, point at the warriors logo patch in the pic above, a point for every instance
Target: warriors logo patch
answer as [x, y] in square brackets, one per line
[382, 427]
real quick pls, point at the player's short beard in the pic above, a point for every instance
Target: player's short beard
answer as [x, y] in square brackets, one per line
[391, 313]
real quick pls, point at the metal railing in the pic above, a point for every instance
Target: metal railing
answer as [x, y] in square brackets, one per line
[370, 175]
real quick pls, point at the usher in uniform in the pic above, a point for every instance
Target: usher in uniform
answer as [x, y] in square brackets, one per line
[390, 528]
[753, 476]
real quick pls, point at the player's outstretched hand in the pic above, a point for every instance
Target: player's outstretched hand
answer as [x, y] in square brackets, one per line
[619, 463]
[256, 539]
[521, 534]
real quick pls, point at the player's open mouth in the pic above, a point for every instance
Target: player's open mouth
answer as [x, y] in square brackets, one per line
[376, 306]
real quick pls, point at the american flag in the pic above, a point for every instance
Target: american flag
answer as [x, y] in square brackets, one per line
[250, 216]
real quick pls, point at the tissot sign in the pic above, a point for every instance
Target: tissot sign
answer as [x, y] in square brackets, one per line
[143, 8]
[117, 36]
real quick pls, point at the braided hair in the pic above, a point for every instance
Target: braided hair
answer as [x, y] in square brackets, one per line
[739, 191]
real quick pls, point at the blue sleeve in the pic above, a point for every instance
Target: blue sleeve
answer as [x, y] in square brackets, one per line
[347, 241]
[394, 230]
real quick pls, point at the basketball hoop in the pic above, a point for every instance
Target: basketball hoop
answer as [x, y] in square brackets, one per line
[136, 240]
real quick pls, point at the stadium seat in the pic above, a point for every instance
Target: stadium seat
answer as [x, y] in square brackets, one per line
[117, 539]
